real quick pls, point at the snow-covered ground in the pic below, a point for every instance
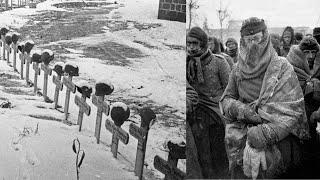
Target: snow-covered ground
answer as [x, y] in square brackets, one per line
[159, 76]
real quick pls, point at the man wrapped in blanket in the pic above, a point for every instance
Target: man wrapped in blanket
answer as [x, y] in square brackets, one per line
[264, 107]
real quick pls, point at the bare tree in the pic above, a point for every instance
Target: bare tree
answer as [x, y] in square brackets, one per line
[223, 14]
[192, 5]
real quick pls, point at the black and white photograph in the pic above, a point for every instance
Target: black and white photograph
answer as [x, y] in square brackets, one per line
[252, 90]
[92, 89]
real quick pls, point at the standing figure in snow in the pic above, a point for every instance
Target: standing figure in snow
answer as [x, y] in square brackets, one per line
[232, 49]
[215, 47]
[287, 39]
[264, 108]
[208, 74]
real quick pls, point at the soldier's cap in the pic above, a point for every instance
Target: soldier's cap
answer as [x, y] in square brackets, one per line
[252, 26]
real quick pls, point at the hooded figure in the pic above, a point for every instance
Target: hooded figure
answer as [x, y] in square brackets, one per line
[215, 47]
[298, 36]
[287, 39]
[264, 108]
[309, 80]
[232, 49]
[208, 74]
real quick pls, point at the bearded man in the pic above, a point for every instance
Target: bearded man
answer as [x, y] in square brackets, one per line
[264, 108]
[232, 49]
[215, 47]
[208, 74]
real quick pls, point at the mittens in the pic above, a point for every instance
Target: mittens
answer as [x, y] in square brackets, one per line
[243, 112]
[252, 160]
[256, 138]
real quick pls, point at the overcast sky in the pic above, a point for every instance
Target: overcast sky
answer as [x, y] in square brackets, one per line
[278, 13]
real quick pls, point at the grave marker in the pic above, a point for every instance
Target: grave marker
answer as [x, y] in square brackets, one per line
[71, 70]
[58, 68]
[8, 43]
[119, 113]
[141, 133]
[15, 38]
[168, 169]
[102, 88]
[28, 46]
[3, 32]
[46, 57]
[81, 102]
[36, 59]
[21, 48]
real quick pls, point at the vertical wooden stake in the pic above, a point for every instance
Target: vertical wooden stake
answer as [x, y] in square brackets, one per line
[36, 73]
[57, 81]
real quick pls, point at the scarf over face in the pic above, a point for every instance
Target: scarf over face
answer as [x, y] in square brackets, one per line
[279, 101]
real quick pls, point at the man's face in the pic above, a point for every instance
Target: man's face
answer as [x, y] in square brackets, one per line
[231, 45]
[193, 45]
[287, 37]
[211, 44]
[252, 44]
[310, 55]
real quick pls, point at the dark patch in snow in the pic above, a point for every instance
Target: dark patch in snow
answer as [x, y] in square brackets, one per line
[113, 53]
[17, 91]
[146, 44]
[176, 47]
[45, 117]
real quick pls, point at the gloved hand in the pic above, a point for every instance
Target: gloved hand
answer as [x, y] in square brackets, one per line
[252, 160]
[315, 116]
[244, 112]
[256, 138]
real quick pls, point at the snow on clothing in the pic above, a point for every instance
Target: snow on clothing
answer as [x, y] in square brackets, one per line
[208, 127]
[193, 166]
[271, 89]
[310, 85]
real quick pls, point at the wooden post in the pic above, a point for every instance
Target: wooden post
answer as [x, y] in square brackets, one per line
[14, 46]
[117, 134]
[103, 108]
[36, 73]
[47, 71]
[28, 60]
[141, 134]
[8, 48]
[22, 63]
[57, 81]
[67, 81]
[3, 47]
[83, 108]
[167, 169]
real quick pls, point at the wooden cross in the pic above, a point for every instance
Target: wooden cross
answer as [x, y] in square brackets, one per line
[14, 46]
[117, 134]
[3, 46]
[28, 59]
[47, 71]
[83, 108]
[21, 55]
[36, 73]
[142, 135]
[171, 172]
[59, 86]
[103, 107]
[8, 48]
[67, 81]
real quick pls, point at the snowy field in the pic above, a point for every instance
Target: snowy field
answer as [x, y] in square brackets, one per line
[155, 78]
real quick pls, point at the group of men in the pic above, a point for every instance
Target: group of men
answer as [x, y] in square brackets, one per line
[252, 109]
